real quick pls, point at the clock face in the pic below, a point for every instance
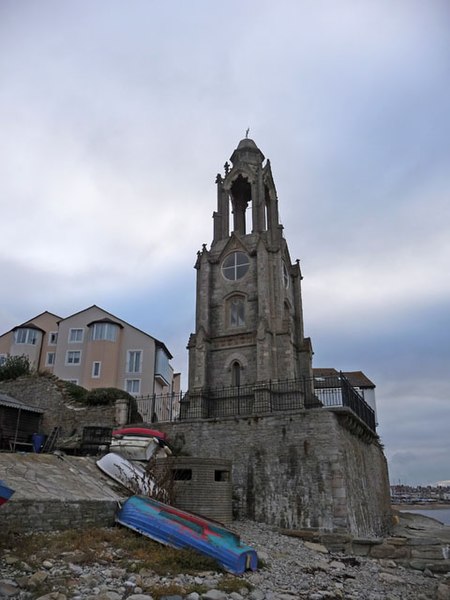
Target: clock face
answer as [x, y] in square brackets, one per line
[235, 266]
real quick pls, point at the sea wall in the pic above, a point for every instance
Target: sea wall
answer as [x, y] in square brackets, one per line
[303, 469]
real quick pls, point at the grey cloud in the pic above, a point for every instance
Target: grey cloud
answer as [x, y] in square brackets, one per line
[115, 122]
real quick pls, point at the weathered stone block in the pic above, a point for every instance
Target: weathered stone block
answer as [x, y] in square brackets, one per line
[427, 552]
[389, 551]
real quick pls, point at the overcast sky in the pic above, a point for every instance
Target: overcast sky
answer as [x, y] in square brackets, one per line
[115, 118]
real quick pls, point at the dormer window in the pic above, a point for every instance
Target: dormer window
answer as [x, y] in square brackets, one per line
[104, 331]
[26, 336]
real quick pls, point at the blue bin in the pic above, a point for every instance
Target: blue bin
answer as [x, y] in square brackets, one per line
[38, 439]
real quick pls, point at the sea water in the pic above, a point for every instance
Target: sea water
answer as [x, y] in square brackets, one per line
[440, 514]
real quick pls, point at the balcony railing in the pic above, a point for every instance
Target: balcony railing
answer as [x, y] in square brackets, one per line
[257, 399]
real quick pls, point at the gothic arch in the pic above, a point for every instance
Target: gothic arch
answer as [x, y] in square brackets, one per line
[234, 366]
[235, 357]
[235, 310]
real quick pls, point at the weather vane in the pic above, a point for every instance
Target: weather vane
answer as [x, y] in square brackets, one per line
[247, 132]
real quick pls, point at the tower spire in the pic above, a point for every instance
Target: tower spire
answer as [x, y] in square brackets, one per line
[249, 324]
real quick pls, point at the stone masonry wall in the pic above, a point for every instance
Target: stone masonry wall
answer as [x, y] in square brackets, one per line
[298, 470]
[56, 492]
[54, 514]
[48, 393]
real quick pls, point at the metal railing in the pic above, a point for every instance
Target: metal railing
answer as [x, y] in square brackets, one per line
[159, 407]
[257, 399]
[338, 391]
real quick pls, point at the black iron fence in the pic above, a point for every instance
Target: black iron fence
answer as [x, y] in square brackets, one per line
[258, 398]
[160, 407]
[338, 391]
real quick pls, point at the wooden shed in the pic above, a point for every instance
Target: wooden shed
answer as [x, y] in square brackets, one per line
[18, 423]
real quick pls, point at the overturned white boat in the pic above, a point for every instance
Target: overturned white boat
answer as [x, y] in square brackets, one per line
[138, 443]
[134, 447]
[131, 475]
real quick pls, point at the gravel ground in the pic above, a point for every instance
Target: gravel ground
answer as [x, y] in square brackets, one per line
[290, 569]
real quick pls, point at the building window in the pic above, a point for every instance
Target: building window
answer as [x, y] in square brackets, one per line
[26, 336]
[285, 276]
[221, 475]
[133, 386]
[75, 335]
[50, 359]
[53, 338]
[236, 373]
[182, 474]
[3, 358]
[134, 361]
[74, 381]
[73, 357]
[236, 311]
[96, 368]
[104, 331]
[235, 266]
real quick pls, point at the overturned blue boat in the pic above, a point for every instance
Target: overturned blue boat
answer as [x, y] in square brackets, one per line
[181, 529]
[5, 492]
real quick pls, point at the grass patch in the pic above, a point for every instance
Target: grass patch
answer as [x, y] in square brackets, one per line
[172, 589]
[115, 545]
[231, 584]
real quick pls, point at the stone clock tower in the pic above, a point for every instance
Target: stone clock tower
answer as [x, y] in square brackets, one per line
[249, 323]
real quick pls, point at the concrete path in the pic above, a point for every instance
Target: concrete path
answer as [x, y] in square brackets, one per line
[53, 477]
[56, 492]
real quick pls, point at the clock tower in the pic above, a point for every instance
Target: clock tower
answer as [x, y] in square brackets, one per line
[249, 323]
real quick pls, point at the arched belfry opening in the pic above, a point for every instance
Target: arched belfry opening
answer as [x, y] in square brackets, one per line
[249, 309]
[241, 196]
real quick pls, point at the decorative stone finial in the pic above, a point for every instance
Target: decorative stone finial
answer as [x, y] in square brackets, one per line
[247, 131]
[226, 166]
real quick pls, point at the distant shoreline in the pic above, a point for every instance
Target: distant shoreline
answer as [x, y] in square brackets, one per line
[430, 506]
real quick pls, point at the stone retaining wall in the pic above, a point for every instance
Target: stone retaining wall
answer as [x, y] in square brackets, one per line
[51, 515]
[56, 492]
[48, 394]
[302, 469]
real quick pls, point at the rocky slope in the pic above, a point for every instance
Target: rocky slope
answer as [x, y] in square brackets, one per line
[291, 569]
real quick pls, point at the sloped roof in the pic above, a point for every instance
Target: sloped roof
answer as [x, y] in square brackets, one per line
[109, 318]
[118, 321]
[29, 324]
[105, 320]
[11, 402]
[356, 378]
[325, 373]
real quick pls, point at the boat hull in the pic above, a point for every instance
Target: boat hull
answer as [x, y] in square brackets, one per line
[134, 447]
[139, 431]
[131, 475]
[181, 529]
[5, 493]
